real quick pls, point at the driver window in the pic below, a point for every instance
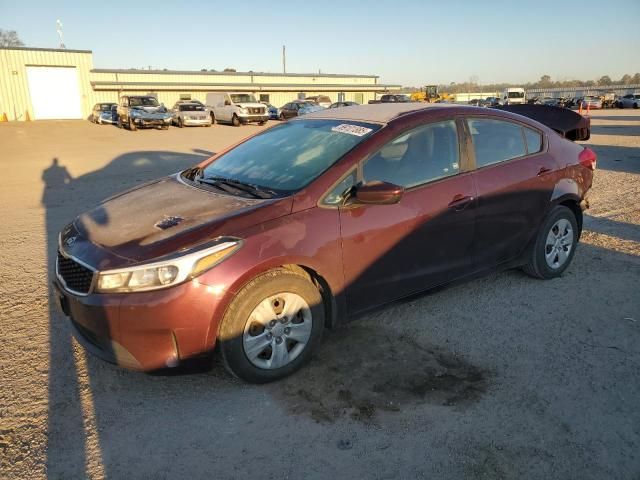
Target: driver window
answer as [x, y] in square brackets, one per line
[422, 155]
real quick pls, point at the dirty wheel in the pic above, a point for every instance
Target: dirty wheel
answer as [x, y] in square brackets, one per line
[282, 118]
[132, 125]
[272, 326]
[555, 245]
[213, 118]
[180, 123]
[235, 120]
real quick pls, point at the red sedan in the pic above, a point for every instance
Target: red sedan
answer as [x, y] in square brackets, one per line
[308, 223]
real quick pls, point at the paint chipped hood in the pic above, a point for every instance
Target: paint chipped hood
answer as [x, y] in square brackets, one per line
[160, 218]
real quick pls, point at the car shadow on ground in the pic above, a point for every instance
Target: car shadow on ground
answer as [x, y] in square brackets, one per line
[96, 410]
[616, 159]
[625, 130]
[63, 198]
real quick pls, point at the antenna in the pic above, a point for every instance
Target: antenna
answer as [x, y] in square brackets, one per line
[59, 30]
[284, 59]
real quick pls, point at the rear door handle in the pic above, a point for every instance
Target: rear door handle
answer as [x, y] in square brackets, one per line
[543, 170]
[460, 202]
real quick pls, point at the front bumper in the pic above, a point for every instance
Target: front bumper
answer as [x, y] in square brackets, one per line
[253, 118]
[146, 330]
[196, 123]
[151, 122]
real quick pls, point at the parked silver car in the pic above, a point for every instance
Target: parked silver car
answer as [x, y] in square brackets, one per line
[631, 100]
[190, 114]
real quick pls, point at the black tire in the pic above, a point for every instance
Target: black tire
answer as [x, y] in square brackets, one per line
[180, 123]
[119, 122]
[230, 336]
[213, 118]
[537, 265]
[635, 105]
[261, 123]
[132, 125]
[282, 117]
[235, 121]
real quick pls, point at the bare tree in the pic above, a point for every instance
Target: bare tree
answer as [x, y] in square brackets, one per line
[9, 38]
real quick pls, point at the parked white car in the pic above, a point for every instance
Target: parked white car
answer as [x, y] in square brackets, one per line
[236, 108]
[321, 100]
[631, 100]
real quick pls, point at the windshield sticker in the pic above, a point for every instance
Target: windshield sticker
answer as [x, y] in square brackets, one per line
[356, 130]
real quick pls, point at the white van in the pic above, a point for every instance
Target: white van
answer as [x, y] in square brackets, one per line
[236, 108]
[513, 96]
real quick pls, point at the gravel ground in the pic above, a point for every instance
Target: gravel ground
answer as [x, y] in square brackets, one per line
[503, 377]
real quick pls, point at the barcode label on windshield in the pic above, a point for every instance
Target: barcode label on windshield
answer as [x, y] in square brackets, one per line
[356, 130]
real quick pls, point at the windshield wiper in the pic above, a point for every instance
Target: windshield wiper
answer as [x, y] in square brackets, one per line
[249, 188]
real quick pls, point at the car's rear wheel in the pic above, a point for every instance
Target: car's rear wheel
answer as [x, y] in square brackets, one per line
[272, 326]
[180, 123]
[555, 244]
[132, 125]
[235, 120]
[213, 118]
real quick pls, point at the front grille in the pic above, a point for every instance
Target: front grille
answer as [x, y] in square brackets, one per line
[256, 110]
[76, 277]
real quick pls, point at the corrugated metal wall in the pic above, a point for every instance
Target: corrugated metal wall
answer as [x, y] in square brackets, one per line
[14, 87]
[107, 85]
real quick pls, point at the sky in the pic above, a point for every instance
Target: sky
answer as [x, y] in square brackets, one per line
[411, 43]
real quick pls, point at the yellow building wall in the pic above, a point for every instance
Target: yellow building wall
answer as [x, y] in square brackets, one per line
[15, 100]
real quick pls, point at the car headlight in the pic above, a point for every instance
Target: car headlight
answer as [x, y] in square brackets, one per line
[243, 110]
[169, 272]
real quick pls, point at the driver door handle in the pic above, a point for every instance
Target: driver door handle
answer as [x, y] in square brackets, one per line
[543, 170]
[460, 202]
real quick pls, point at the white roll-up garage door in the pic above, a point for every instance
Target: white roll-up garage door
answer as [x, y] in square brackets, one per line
[54, 91]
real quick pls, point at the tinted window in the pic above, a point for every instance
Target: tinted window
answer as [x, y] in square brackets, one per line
[422, 155]
[190, 107]
[534, 140]
[291, 155]
[496, 141]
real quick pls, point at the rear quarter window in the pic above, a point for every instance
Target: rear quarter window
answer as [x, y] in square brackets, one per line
[496, 141]
[534, 140]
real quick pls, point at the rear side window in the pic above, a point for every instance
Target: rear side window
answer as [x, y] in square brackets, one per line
[422, 155]
[495, 141]
[534, 140]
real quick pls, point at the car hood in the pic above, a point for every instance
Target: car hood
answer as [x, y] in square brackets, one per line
[160, 218]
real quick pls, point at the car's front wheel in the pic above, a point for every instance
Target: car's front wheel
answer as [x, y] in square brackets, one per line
[272, 326]
[132, 125]
[555, 244]
[180, 123]
[235, 121]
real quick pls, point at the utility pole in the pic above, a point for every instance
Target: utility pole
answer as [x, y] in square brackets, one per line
[284, 59]
[59, 30]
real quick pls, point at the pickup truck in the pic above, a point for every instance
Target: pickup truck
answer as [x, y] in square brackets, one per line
[142, 111]
[389, 98]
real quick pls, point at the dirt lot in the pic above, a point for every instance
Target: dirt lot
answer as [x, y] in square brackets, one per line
[504, 377]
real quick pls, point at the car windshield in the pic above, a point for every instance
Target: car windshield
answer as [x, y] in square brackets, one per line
[516, 94]
[288, 157]
[106, 107]
[243, 98]
[637, 96]
[143, 102]
[191, 107]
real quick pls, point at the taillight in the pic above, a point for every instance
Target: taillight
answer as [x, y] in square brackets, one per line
[587, 158]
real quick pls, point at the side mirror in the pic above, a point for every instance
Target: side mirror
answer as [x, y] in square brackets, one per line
[227, 102]
[381, 193]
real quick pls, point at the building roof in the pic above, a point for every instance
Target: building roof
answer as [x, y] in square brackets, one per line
[64, 50]
[207, 72]
[379, 112]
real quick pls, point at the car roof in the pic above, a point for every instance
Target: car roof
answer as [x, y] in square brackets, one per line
[378, 113]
